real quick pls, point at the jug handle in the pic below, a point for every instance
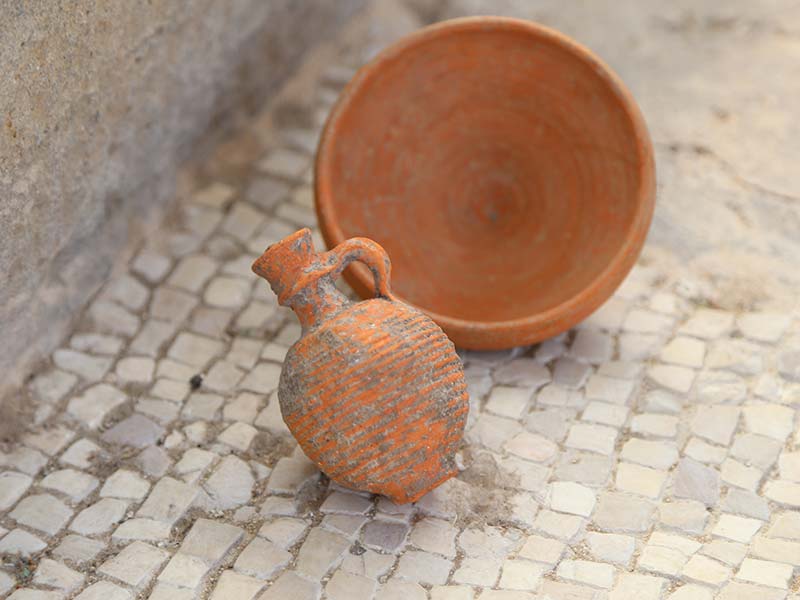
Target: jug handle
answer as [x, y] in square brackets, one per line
[365, 251]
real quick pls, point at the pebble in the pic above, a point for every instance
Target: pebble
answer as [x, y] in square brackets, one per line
[611, 547]
[99, 517]
[783, 492]
[138, 369]
[151, 265]
[747, 503]
[51, 386]
[400, 590]
[78, 549]
[674, 378]
[570, 373]
[184, 571]
[321, 551]
[170, 306]
[589, 469]
[126, 485]
[348, 586]
[772, 420]
[112, 318]
[736, 474]
[594, 438]
[104, 590]
[91, 368]
[283, 531]
[194, 349]
[739, 356]
[522, 372]
[57, 575]
[135, 431]
[584, 571]
[572, 498]
[520, 575]
[658, 455]
[640, 480]
[192, 272]
[684, 351]
[210, 541]
[290, 474]
[19, 541]
[685, 515]
[691, 591]
[146, 530]
[720, 387]
[423, 567]
[776, 550]
[708, 324]
[74, 484]
[705, 570]
[231, 484]
[646, 321]
[92, 407]
[636, 586]
[617, 512]
[435, 535]
[756, 449]
[168, 501]
[263, 378]
[262, 559]
[738, 529]
[735, 590]
[655, 425]
[238, 436]
[730, 553]
[695, 481]
[789, 466]
[763, 327]
[559, 525]
[772, 574]
[12, 487]
[235, 585]
[592, 346]
[452, 592]
[530, 446]
[227, 292]
[506, 401]
[81, 454]
[542, 549]
[385, 536]
[605, 414]
[135, 565]
[42, 512]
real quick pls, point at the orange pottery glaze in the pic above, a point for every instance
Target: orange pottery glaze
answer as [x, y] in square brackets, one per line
[506, 170]
[373, 391]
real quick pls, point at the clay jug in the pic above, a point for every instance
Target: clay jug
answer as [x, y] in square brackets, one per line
[373, 391]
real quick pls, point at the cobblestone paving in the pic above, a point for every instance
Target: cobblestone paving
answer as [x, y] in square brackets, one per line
[653, 452]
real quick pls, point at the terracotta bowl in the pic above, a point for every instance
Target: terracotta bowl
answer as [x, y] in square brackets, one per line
[505, 169]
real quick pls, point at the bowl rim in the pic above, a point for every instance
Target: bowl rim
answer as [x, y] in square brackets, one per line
[561, 317]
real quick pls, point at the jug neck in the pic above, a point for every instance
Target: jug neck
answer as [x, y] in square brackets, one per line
[301, 279]
[316, 301]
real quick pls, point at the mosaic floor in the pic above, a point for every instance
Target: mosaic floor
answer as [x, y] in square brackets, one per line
[653, 452]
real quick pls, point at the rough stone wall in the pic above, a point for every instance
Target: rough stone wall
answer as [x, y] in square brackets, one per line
[99, 104]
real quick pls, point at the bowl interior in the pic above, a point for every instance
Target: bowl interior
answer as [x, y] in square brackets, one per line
[498, 166]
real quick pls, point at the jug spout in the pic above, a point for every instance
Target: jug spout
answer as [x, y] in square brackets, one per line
[301, 278]
[284, 263]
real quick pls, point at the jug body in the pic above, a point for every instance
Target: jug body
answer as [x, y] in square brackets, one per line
[373, 391]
